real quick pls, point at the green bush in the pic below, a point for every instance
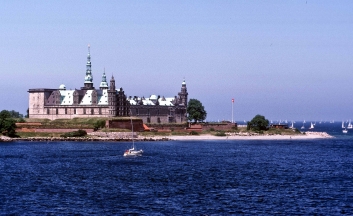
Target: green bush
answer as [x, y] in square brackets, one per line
[21, 120]
[99, 124]
[212, 129]
[194, 133]
[78, 133]
[220, 133]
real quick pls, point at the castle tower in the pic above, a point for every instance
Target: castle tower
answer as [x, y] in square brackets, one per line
[104, 83]
[112, 98]
[89, 77]
[183, 94]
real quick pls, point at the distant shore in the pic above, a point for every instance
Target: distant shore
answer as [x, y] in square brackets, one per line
[245, 136]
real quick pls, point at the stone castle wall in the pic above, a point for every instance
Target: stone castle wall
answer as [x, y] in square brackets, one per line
[125, 124]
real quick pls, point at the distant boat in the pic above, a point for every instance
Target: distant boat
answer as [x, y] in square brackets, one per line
[132, 152]
[304, 121]
[292, 127]
[344, 130]
[311, 126]
[343, 124]
[302, 126]
[350, 126]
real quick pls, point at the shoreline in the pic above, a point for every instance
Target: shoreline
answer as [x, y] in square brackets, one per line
[202, 137]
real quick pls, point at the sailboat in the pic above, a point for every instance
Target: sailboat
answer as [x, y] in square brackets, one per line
[292, 127]
[311, 126]
[344, 130]
[302, 126]
[132, 152]
[350, 126]
[343, 124]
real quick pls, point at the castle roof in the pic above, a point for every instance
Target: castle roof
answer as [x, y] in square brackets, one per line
[168, 101]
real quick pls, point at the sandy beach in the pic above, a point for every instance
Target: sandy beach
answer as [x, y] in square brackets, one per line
[116, 136]
[307, 135]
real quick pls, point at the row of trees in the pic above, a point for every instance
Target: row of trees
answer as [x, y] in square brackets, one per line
[197, 113]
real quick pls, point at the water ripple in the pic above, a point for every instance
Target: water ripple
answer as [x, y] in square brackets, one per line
[178, 178]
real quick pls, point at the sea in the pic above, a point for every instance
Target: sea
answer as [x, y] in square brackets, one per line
[219, 177]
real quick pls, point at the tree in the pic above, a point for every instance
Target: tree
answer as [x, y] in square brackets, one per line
[259, 123]
[7, 124]
[196, 111]
[5, 114]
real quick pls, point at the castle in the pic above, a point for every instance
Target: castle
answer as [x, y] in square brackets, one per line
[107, 101]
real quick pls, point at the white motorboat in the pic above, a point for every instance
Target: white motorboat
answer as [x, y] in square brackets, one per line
[344, 130]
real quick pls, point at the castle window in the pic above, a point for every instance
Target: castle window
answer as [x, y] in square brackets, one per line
[74, 110]
[100, 110]
[84, 110]
[158, 120]
[48, 112]
[148, 120]
[92, 111]
[65, 110]
[137, 111]
[56, 111]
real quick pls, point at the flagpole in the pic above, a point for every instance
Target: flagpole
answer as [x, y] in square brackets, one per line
[232, 110]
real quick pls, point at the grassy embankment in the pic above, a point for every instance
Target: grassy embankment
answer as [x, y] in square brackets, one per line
[239, 131]
[99, 123]
[75, 123]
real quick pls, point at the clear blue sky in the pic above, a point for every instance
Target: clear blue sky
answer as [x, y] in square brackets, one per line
[282, 59]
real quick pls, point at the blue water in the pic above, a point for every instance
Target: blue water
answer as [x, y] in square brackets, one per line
[227, 177]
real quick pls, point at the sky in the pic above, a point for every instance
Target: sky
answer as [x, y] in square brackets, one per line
[285, 60]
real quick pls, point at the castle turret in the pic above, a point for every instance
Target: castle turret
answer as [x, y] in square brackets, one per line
[104, 83]
[183, 95]
[112, 98]
[88, 84]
